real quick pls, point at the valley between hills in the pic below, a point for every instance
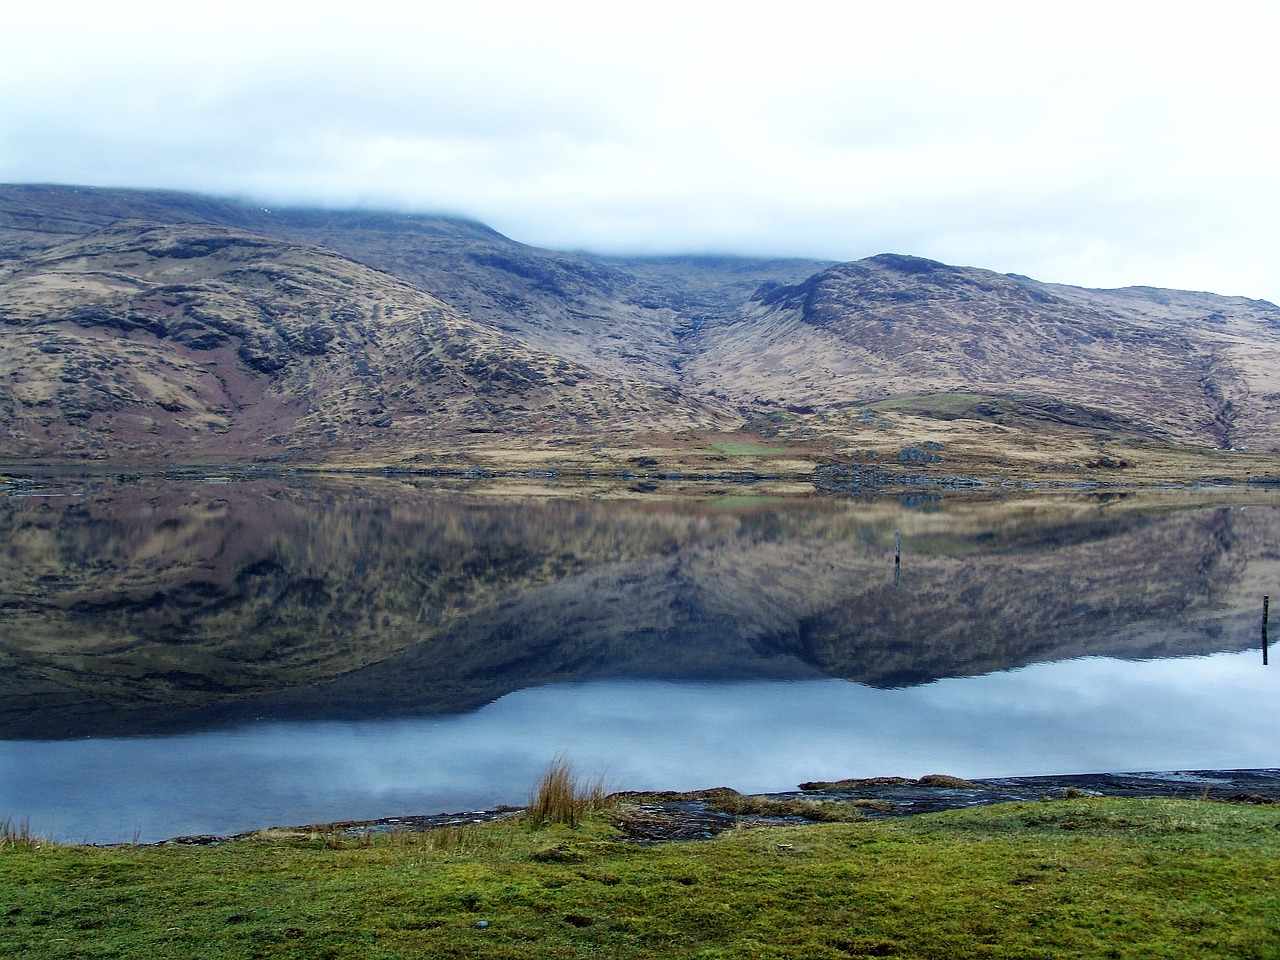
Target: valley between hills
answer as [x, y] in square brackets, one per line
[145, 328]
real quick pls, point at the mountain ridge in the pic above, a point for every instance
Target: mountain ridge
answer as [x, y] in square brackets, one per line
[141, 326]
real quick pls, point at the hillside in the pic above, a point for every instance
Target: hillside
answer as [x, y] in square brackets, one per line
[148, 342]
[151, 326]
[1187, 367]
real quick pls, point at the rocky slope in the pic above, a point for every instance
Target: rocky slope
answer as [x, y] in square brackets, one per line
[1187, 367]
[150, 326]
[157, 342]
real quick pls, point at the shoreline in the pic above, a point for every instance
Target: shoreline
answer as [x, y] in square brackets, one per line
[674, 816]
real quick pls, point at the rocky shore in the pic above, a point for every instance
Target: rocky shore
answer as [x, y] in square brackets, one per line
[669, 816]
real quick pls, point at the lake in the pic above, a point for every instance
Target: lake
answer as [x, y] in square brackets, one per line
[210, 654]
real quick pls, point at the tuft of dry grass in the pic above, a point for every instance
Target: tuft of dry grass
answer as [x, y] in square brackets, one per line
[464, 838]
[560, 796]
[17, 837]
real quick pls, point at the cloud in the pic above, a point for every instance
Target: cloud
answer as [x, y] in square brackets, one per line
[1081, 143]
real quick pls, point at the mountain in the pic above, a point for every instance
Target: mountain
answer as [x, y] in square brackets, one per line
[144, 327]
[1191, 367]
[161, 341]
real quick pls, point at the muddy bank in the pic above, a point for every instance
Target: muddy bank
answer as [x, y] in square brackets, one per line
[667, 817]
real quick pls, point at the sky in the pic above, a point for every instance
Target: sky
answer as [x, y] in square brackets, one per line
[1099, 144]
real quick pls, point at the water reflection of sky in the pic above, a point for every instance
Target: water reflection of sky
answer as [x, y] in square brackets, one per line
[1089, 715]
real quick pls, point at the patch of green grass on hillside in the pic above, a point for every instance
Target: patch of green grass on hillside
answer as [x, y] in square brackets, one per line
[930, 404]
[1067, 878]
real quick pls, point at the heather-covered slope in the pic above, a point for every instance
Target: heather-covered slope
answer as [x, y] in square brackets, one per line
[160, 326]
[145, 341]
[1186, 367]
[624, 317]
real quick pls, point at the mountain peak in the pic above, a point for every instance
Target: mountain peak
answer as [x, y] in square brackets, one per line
[907, 264]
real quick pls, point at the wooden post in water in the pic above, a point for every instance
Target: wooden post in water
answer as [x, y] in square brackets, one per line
[1266, 603]
[897, 556]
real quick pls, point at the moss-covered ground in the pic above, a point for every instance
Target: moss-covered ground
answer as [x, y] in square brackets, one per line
[1084, 877]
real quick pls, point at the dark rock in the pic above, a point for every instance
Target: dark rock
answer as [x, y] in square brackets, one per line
[917, 455]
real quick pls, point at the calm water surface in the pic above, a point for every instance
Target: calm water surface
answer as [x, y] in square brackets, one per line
[184, 657]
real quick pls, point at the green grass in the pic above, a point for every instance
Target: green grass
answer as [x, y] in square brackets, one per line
[936, 404]
[1066, 878]
[828, 811]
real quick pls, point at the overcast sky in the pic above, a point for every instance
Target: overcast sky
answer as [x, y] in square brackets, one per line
[1102, 144]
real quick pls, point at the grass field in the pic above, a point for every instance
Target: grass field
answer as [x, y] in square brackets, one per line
[1083, 877]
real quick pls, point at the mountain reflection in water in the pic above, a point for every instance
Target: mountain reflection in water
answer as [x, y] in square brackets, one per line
[148, 605]
[1094, 714]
